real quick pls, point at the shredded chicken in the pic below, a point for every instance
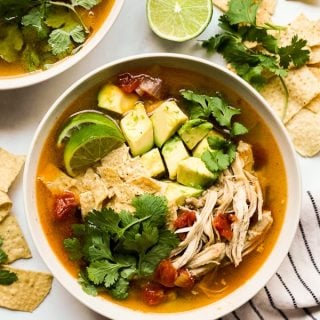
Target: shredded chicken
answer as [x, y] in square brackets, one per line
[238, 192]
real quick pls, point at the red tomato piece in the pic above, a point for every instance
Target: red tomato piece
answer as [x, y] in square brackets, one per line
[166, 274]
[65, 204]
[185, 219]
[128, 82]
[184, 279]
[223, 225]
[153, 294]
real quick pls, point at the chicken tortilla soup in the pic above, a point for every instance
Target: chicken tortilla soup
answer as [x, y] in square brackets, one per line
[161, 190]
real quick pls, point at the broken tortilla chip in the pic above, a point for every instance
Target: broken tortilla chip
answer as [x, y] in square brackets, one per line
[302, 86]
[27, 292]
[314, 55]
[14, 244]
[10, 166]
[314, 105]
[5, 205]
[265, 11]
[304, 29]
[304, 130]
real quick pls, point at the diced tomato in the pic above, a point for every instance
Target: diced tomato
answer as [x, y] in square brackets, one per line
[153, 294]
[223, 225]
[185, 219]
[128, 82]
[65, 204]
[166, 274]
[184, 279]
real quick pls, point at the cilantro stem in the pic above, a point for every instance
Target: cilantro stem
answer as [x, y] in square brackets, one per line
[135, 222]
[286, 97]
[72, 8]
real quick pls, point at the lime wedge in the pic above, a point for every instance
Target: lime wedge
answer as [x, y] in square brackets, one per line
[90, 144]
[179, 20]
[78, 120]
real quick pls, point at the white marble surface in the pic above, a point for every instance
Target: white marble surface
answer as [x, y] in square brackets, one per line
[21, 111]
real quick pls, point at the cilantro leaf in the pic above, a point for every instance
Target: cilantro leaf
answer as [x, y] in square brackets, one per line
[11, 42]
[221, 156]
[87, 4]
[103, 271]
[35, 19]
[72, 245]
[120, 289]
[86, 285]
[204, 106]
[7, 277]
[166, 243]
[242, 11]
[294, 53]
[153, 206]
[238, 129]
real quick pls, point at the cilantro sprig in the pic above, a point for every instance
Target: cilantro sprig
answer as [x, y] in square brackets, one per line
[254, 63]
[120, 247]
[222, 150]
[6, 277]
[40, 32]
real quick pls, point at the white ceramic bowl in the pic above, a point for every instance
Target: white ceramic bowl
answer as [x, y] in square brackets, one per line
[29, 79]
[269, 267]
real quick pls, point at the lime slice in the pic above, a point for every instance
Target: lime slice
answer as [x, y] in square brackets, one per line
[78, 120]
[89, 145]
[179, 20]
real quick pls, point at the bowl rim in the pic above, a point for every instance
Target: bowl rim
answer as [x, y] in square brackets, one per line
[38, 76]
[223, 306]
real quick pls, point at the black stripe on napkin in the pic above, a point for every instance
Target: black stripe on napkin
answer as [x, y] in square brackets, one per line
[288, 291]
[301, 280]
[273, 305]
[306, 310]
[254, 308]
[235, 315]
[316, 211]
[308, 247]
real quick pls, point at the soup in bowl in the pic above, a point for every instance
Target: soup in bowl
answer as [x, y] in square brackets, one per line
[162, 185]
[41, 39]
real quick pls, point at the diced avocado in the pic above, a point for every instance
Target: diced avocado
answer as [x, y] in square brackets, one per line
[112, 98]
[153, 163]
[203, 145]
[137, 129]
[177, 193]
[166, 120]
[173, 152]
[194, 131]
[193, 172]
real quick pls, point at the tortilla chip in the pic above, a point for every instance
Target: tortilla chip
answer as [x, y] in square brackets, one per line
[304, 29]
[27, 292]
[14, 244]
[314, 105]
[314, 55]
[5, 205]
[304, 129]
[10, 165]
[302, 86]
[264, 13]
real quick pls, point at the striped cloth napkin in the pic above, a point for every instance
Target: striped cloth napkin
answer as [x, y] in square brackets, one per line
[294, 291]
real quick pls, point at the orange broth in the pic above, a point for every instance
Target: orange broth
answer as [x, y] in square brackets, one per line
[268, 165]
[93, 19]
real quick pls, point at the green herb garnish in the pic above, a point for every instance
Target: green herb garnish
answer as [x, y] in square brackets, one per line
[120, 247]
[41, 32]
[222, 150]
[6, 277]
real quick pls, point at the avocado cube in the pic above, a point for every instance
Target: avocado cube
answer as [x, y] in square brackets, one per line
[203, 145]
[177, 194]
[166, 120]
[137, 129]
[112, 98]
[193, 172]
[173, 152]
[153, 163]
[194, 131]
